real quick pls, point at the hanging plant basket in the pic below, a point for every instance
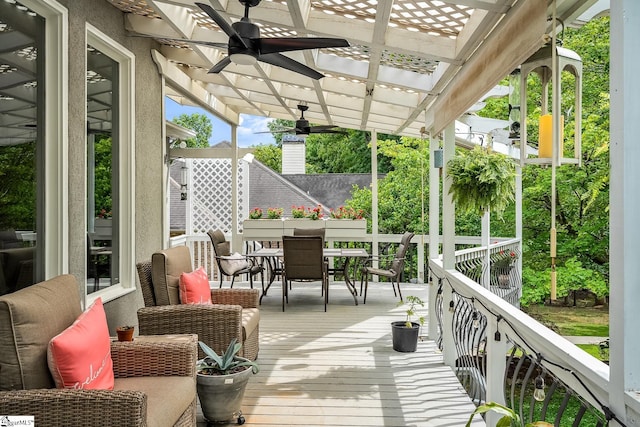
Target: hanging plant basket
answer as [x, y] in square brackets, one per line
[482, 179]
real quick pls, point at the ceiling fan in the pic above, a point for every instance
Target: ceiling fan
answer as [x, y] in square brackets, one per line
[246, 47]
[303, 128]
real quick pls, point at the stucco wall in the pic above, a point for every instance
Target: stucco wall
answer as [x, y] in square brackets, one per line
[148, 145]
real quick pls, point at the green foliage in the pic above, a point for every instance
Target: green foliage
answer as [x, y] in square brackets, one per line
[199, 123]
[510, 417]
[103, 175]
[213, 364]
[18, 186]
[412, 303]
[482, 180]
[270, 155]
[570, 276]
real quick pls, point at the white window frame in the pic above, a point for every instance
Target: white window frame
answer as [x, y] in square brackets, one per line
[126, 160]
[55, 236]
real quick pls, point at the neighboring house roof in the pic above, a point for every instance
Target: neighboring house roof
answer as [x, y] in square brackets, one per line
[331, 189]
[269, 189]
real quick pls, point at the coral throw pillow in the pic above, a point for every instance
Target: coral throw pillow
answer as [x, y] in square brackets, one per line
[80, 356]
[194, 287]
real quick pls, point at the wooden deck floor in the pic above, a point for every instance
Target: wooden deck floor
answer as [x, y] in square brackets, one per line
[339, 369]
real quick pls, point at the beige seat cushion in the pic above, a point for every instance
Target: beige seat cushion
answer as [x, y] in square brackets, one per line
[250, 321]
[166, 267]
[29, 319]
[167, 397]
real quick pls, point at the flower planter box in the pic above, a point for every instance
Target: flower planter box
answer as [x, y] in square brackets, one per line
[305, 223]
[262, 229]
[345, 228]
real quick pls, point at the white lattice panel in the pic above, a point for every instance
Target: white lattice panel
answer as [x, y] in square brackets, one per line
[211, 195]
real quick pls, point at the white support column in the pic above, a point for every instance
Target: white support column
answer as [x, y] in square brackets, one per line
[374, 193]
[189, 205]
[625, 205]
[485, 237]
[448, 244]
[434, 231]
[236, 241]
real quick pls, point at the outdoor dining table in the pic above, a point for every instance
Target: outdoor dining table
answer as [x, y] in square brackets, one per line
[346, 253]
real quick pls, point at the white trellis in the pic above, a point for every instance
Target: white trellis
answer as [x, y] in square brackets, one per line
[210, 193]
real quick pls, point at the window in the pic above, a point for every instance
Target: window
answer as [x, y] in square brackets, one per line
[110, 159]
[21, 141]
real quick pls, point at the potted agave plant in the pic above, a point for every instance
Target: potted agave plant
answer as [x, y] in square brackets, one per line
[404, 333]
[221, 381]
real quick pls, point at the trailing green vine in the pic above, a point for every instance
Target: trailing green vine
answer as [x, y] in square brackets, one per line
[482, 179]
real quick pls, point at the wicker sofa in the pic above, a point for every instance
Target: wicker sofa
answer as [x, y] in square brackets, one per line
[154, 378]
[233, 314]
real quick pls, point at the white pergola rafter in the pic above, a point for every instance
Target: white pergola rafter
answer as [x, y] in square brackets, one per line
[405, 56]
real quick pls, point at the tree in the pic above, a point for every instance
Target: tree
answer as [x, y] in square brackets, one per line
[270, 155]
[199, 123]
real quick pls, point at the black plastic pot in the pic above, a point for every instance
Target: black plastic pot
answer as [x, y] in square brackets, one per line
[405, 339]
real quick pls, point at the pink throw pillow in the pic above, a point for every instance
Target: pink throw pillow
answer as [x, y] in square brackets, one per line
[194, 287]
[80, 356]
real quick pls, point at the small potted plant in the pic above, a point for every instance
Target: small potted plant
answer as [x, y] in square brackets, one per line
[405, 332]
[274, 213]
[221, 381]
[298, 212]
[255, 213]
[125, 333]
[314, 213]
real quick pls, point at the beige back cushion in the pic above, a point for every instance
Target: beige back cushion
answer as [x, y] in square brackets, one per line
[29, 318]
[166, 267]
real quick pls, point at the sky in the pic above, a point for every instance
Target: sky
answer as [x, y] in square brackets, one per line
[221, 130]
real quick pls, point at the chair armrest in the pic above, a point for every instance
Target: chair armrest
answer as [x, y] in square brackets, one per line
[246, 298]
[67, 407]
[152, 356]
[215, 324]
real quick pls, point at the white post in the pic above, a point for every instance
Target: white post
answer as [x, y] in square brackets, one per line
[236, 242]
[485, 236]
[434, 232]
[374, 193]
[625, 205]
[448, 244]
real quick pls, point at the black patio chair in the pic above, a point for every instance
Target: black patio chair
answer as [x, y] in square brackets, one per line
[233, 265]
[392, 269]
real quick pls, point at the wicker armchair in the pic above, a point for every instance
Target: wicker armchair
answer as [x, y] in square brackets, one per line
[145, 369]
[233, 314]
[392, 270]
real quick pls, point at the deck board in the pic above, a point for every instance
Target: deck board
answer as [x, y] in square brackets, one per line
[339, 368]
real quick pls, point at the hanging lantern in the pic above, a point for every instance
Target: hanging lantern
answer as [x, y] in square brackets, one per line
[541, 63]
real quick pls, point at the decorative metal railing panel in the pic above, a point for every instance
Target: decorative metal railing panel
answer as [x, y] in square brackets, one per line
[494, 343]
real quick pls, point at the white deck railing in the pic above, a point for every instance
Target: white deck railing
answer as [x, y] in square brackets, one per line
[489, 318]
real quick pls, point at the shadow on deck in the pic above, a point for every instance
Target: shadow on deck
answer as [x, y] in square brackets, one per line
[339, 369]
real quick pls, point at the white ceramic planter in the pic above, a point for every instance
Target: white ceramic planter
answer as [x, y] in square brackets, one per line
[304, 223]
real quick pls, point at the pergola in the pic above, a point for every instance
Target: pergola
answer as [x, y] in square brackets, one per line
[413, 66]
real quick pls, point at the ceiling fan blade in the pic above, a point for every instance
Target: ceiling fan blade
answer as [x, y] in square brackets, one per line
[287, 63]
[323, 127]
[220, 66]
[222, 23]
[287, 44]
[328, 131]
[277, 131]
